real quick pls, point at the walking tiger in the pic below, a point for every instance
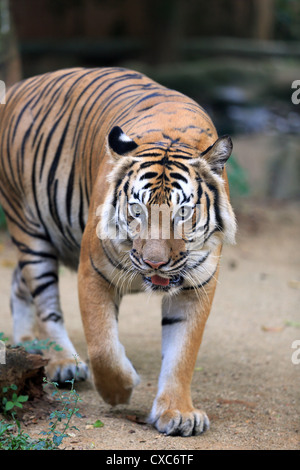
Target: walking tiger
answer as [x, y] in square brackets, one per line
[124, 180]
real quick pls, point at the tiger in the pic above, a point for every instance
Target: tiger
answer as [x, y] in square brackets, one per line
[86, 154]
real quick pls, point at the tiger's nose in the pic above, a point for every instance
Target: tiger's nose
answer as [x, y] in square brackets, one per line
[154, 264]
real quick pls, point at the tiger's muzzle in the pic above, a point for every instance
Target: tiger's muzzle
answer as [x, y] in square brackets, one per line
[155, 261]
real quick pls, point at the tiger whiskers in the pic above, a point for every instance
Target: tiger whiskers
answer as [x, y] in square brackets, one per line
[126, 278]
[187, 276]
[149, 292]
[116, 273]
[131, 277]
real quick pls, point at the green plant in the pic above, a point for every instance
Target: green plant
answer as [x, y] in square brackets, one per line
[39, 345]
[3, 338]
[60, 419]
[15, 401]
[98, 424]
[12, 437]
[35, 345]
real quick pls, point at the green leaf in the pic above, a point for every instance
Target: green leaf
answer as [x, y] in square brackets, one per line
[9, 405]
[98, 424]
[3, 338]
[22, 398]
[58, 439]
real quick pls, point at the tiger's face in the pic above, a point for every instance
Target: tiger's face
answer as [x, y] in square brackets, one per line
[170, 209]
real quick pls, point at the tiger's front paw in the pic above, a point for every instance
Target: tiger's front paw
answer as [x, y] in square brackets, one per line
[116, 385]
[116, 391]
[174, 422]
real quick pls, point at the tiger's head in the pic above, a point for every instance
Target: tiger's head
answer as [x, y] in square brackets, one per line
[167, 208]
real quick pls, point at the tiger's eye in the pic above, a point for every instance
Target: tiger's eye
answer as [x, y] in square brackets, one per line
[184, 212]
[136, 210]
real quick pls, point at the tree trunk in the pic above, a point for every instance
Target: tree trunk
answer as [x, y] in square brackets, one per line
[24, 370]
[264, 19]
[166, 27]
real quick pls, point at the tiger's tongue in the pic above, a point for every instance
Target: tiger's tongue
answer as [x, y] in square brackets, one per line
[159, 281]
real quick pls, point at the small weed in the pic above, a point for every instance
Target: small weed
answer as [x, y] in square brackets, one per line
[37, 345]
[3, 338]
[98, 424]
[60, 419]
[12, 437]
[16, 401]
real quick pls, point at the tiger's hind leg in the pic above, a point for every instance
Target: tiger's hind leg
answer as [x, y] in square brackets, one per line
[22, 308]
[38, 271]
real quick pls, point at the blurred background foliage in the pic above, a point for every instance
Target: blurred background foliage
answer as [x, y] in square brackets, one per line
[238, 59]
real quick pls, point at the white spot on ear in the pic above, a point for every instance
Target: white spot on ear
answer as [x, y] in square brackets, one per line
[119, 142]
[124, 138]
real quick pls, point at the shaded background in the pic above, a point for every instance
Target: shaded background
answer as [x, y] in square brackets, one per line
[238, 59]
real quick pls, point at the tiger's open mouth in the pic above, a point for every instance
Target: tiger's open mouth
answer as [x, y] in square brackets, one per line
[163, 283]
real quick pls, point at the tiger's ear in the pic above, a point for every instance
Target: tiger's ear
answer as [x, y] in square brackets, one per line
[218, 153]
[119, 143]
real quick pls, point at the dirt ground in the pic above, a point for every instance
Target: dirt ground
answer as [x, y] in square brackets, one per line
[244, 378]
